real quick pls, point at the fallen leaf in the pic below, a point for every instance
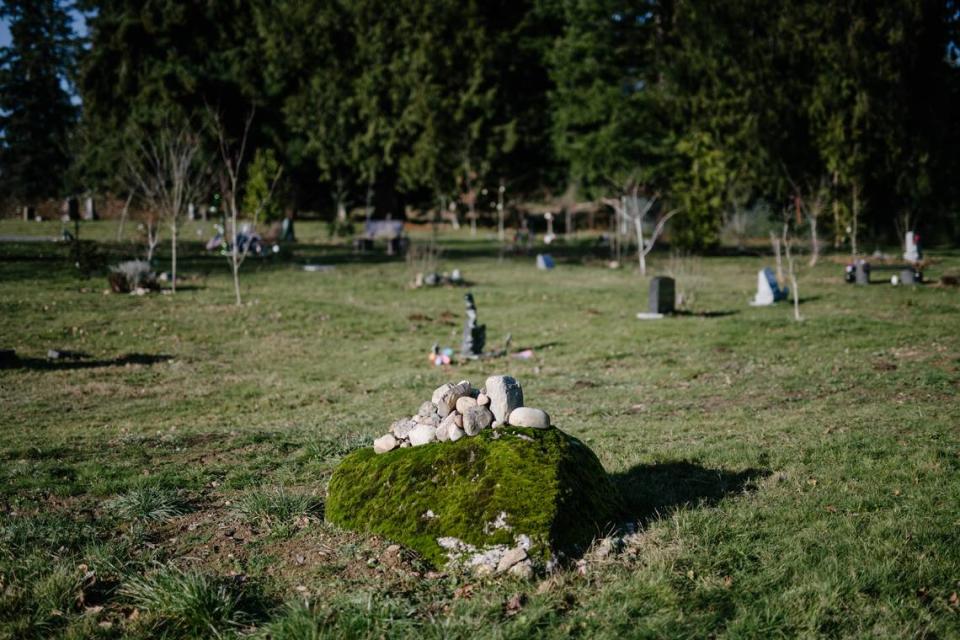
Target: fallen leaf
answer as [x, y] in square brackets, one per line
[954, 600]
[831, 508]
[463, 592]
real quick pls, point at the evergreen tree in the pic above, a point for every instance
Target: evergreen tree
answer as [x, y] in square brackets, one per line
[36, 115]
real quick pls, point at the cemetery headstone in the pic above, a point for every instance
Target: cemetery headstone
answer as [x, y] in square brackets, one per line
[912, 245]
[662, 299]
[89, 209]
[908, 276]
[191, 211]
[662, 295]
[862, 272]
[768, 290]
[286, 230]
[545, 261]
[474, 335]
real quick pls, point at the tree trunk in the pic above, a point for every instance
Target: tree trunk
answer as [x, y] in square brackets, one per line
[641, 248]
[235, 257]
[814, 242]
[775, 241]
[855, 215]
[173, 254]
[123, 216]
[837, 227]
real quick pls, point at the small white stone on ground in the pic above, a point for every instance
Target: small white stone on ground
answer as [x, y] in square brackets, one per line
[529, 417]
[385, 443]
[422, 434]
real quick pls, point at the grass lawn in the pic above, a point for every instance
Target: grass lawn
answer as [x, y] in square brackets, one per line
[787, 479]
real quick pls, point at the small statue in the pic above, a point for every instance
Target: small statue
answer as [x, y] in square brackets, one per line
[474, 335]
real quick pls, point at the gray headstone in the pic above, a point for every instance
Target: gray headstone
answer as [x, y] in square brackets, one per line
[907, 276]
[862, 272]
[662, 295]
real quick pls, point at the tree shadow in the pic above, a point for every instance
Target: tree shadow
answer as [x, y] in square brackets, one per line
[81, 361]
[650, 491]
[705, 314]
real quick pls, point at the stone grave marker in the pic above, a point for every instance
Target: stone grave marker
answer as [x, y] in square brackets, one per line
[662, 298]
[912, 245]
[89, 210]
[474, 335]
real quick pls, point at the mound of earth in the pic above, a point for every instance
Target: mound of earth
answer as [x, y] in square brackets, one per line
[540, 490]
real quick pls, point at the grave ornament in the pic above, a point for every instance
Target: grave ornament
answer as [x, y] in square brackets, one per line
[768, 290]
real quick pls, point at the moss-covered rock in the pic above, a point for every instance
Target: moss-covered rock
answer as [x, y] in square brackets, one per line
[544, 484]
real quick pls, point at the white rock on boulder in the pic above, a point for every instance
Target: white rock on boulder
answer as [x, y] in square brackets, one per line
[401, 428]
[439, 391]
[529, 417]
[483, 399]
[385, 443]
[455, 433]
[422, 434]
[448, 401]
[505, 395]
[465, 403]
[476, 419]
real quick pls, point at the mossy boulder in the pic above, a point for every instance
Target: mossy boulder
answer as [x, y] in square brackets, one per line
[485, 490]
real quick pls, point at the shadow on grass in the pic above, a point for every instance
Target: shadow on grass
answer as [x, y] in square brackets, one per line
[650, 491]
[80, 361]
[705, 314]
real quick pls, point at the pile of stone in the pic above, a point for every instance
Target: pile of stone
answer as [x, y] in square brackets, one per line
[458, 410]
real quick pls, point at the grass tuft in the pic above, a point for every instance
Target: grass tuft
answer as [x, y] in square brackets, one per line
[277, 509]
[148, 504]
[332, 448]
[186, 603]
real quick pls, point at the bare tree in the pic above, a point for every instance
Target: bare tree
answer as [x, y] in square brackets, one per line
[232, 156]
[125, 212]
[791, 268]
[152, 230]
[634, 208]
[775, 243]
[168, 174]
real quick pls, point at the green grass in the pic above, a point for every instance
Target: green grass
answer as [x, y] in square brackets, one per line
[787, 479]
[147, 503]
